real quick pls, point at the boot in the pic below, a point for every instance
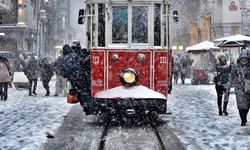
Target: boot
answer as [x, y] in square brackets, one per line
[34, 92]
[47, 94]
[30, 93]
[34, 89]
[5, 96]
[220, 111]
[219, 107]
[225, 108]
[242, 117]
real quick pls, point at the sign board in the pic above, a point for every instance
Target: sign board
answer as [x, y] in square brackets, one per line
[233, 6]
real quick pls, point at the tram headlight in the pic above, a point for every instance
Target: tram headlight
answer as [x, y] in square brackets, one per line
[129, 77]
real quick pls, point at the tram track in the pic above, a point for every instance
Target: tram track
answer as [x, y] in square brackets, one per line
[151, 124]
[162, 146]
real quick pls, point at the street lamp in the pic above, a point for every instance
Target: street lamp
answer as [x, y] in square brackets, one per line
[41, 21]
[174, 47]
[180, 47]
[21, 12]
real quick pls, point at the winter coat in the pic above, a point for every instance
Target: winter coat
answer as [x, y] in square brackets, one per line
[243, 99]
[223, 74]
[31, 69]
[4, 70]
[46, 72]
[56, 66]
[70, 63]
[76, 69]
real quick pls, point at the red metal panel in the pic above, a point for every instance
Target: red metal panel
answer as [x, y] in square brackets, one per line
[170, 66]
[161, 71]
[97, 71]
[128, 58]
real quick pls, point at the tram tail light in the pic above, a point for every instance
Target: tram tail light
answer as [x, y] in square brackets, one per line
[72, 96]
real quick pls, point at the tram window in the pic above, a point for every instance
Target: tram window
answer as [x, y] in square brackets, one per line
[120, 24]
[157, 25]
[101, 25]
[140, 24]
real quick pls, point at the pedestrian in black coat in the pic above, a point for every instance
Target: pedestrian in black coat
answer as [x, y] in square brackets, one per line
[222, 83]
[77, 70]
[240, 76]
[31, 71]
[46, 74]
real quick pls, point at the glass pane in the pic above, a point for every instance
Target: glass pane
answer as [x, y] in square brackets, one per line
[157, 25]
[140, 24]
[120, 24]
[101, 25]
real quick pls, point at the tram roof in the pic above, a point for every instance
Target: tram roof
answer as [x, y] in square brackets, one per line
[125, 1]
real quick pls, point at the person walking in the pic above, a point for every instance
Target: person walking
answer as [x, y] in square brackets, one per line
[60, 80]
[5, 77]
[241, 78]
[46, 74]
[183, 69]
[75, 67]
[222, 83]
[31, 71]
[176, 70]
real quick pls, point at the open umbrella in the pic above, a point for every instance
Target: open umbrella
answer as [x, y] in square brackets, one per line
[7, 54]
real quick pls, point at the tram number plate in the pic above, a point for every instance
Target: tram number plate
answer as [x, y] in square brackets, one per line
[163, 60]
[96, 59]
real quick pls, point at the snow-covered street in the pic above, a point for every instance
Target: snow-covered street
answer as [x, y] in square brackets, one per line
[196, 122]
[24, 120]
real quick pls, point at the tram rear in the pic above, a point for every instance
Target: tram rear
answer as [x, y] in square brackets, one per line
[130, 64]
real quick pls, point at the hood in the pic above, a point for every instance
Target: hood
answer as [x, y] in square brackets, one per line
[244, 53]
[66, 49]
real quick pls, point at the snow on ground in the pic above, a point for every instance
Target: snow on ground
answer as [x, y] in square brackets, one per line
[24, 120]
[196, 122]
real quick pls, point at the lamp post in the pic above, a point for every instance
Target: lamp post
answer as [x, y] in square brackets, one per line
[21, 12]
[41, 20]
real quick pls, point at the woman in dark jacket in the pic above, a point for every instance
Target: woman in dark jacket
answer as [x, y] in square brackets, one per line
[4, 77]
[31, 71]
[222, 84]
[46, 74]
[241, 73]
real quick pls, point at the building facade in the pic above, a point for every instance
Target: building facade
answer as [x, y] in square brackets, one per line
[38, 26]
[17, 34]
[209, 20]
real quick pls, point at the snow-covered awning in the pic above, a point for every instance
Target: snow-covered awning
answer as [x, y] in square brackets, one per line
[233, 41]
[237, 37]
[203, 46]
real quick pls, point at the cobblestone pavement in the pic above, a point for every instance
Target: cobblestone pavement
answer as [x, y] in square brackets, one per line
[25, 120]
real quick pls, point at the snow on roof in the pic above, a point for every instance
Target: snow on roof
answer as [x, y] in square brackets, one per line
[205, 45]
[237, 37]
[131, 92]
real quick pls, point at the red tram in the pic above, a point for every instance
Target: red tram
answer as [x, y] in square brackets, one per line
[130, 64]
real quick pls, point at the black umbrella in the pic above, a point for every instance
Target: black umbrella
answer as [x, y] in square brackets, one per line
[7, 54]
